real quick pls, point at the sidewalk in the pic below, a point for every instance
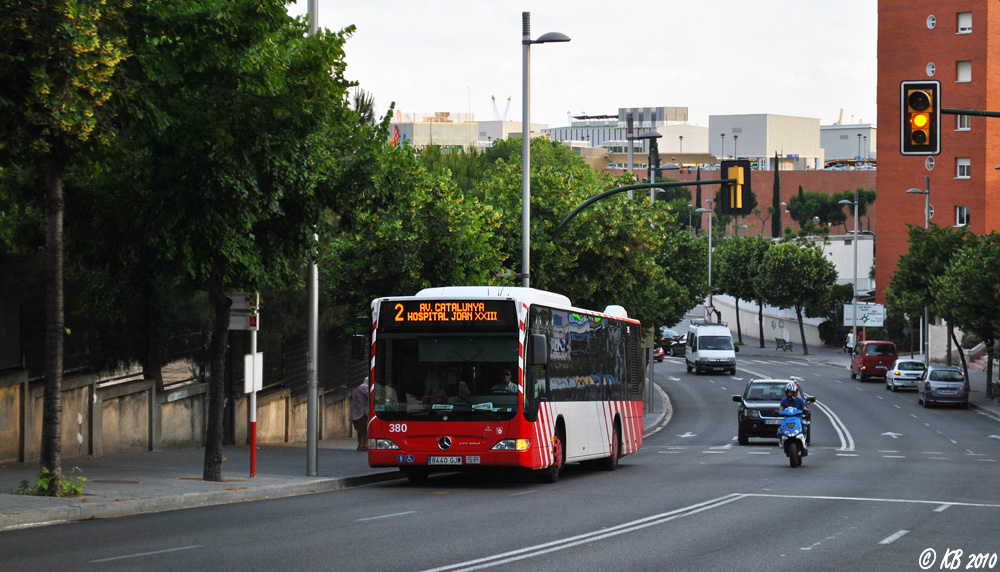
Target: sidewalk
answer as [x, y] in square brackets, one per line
[135, 483]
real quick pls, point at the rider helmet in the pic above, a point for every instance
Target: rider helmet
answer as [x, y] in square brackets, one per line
[791, 390]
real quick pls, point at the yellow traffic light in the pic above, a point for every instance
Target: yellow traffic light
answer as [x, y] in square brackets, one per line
[736, 195]
[920, 119]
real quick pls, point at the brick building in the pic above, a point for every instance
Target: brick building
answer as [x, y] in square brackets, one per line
[950, 42]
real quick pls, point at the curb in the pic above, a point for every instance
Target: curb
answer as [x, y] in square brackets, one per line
[83, 510]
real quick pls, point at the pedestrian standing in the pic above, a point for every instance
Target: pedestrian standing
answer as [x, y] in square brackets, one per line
[842, 339]
[359, 414]
[850, 343]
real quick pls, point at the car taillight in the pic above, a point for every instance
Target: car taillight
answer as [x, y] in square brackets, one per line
[927, 386]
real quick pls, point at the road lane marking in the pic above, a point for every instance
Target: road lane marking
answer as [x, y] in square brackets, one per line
[893, 537]
[585, 538]
[141, 554]
[385, 516]
[846, 439]
[943, 507]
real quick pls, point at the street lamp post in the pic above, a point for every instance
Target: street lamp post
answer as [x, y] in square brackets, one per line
[736, 139]
[925, 330]
[709, 211]
[722, 154]
[680, 139]
[859, 149]
[526, 42]
[854, 294]
[654, 159]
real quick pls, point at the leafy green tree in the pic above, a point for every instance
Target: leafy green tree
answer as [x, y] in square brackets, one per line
[57, 61]
[970, 288]
[795, 276]
[928, 257]
[234, 126]
[737, 261]
[431, 234]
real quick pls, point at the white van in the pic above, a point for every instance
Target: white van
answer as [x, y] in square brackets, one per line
[710, 348]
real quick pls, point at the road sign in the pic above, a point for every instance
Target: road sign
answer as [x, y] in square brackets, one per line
[869, 315]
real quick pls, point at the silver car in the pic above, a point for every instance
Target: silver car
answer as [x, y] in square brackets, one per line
[904, 374]
[943, 384]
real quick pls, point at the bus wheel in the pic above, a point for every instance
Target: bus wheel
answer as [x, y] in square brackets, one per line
[415, 475]
[611, 462]
[550, 474]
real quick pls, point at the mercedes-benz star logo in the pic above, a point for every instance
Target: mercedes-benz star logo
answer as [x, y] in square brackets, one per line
[444, 443]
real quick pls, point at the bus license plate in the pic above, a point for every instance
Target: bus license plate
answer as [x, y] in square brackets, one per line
[444, 460]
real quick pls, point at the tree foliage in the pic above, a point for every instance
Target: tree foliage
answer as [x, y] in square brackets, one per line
[796, 276]
[737, 262]
[57, 60]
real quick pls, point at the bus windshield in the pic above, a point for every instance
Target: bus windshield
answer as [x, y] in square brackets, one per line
[427, 376]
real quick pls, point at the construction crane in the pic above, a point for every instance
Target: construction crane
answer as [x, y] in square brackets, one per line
[496, 112]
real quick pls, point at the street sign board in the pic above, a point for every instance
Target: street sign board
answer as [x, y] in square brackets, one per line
[253, 372]
[869, 315]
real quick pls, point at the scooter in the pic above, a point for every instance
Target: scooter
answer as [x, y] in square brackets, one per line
[792, 435]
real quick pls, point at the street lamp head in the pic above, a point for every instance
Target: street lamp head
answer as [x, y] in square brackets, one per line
[916, 191]
[701, 210]
[670, 167]
[551, 37]
[845, 202]
[649, 135]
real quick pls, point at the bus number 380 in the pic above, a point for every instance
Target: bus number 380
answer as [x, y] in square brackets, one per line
[397, 427]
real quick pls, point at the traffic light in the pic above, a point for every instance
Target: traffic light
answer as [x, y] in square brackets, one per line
[920, 118]
[735, 197]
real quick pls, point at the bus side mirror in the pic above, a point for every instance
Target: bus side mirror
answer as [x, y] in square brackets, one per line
[358, 347]
[539, 349]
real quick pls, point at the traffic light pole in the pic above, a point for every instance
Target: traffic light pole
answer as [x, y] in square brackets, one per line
[975, 112]
[616, 190]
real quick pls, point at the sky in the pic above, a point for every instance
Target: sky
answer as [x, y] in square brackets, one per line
[803, 58]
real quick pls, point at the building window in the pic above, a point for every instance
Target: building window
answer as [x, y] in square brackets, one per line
[961, 216]
[964, 70]
[964, 123]
[965, 22]
[963, 168]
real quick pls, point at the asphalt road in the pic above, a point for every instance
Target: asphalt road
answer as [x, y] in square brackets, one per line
[886, 484]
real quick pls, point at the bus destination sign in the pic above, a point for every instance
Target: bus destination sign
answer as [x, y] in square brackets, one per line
[435, 314]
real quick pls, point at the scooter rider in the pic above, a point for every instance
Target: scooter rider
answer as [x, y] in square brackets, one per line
[791, 398]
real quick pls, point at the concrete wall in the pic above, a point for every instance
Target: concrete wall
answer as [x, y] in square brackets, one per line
[100, 418]
[777, 322]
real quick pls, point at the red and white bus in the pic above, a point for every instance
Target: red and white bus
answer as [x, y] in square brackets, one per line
[440, 399]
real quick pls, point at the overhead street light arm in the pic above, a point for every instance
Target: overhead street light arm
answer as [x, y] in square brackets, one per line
[616, 190]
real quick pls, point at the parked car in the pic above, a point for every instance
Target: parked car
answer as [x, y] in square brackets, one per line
[943, 384]
[757, 415]
[872, 359]
[904, 374]
[658, 353]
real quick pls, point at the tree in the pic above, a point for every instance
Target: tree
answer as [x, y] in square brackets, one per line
[910, 290]
[794, 275]
[58, 60]
[969, 289]
[738, 261]
[429, 235]
[234, 126]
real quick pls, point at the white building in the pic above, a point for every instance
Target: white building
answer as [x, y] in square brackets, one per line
[848, 143]
[759, 137]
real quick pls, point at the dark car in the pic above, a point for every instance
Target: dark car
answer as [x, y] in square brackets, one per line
[943, 384]
[758, 412]
[671, 341]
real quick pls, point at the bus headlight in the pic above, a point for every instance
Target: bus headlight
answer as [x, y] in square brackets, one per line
[512, 445]
[376, 444]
